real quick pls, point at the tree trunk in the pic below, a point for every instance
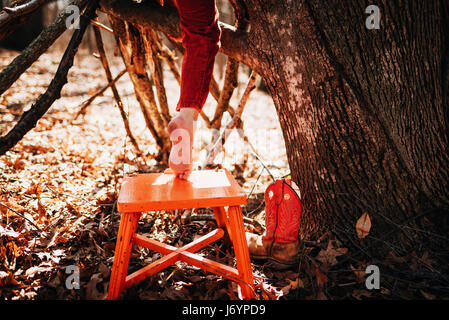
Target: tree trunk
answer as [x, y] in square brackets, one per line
[363, 111]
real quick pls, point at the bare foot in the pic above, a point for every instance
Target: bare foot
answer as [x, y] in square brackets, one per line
[181, 130]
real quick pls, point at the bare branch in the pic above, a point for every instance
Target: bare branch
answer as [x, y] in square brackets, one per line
[130, 43]
[29, 118]
[97, 94]
[12, 17]
[152, 45]
[20, 215]
[101, 26]
[104, 62]
[235, 121]
[170, 60]
[240, 12]
[36, 48]
[214, 89]
[230, 83]
[25, 8]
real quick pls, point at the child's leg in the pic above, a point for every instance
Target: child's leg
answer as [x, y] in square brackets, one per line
[201, 40]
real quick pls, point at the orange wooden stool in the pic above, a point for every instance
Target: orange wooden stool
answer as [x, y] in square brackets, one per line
[155, 192]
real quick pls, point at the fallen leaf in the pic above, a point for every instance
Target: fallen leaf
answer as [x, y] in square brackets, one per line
[363, 226]
[426, 295]
[179, 293]
[34, 189]
[7, 279]
[329, 256]
[92, 292]
[19, 164]
[41, 211]
[360, 275]
[321, 296]
[391, 257]
[321, 278]
[426, 259]
[9, 233]
[293, 285]
[268, 292]
[359, 294]
[43, 267]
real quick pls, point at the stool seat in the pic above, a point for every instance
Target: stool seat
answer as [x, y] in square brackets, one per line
[162, 191]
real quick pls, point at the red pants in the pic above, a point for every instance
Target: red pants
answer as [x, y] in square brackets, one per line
[201, 40]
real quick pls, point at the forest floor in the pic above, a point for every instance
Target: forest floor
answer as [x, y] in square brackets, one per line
[59, 186]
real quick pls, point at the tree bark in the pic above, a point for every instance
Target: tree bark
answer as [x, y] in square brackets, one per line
[131, 46]
[16, 13]
[361, 110]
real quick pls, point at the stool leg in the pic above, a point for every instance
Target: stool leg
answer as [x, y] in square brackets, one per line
[223, 223]
[123, 247]
[241, 251]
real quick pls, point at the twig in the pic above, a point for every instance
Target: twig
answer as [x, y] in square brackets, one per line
[24, 8]
[230, 83]
[97, 94]
[386, 235]
[152, 45]
[79, 198]
[104, 62]
[21, 215]
[15, 16]
[255, 183]
[214, 89]
[231, 76]
[263, 164]
[220, 141]
[101, 26]
[129, 40]
[169, 58]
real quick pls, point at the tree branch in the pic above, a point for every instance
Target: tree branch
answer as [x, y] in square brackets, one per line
[88, 102]
[230, 83]
[219, 142]
[107, 70]
[29, 118]
[130, 43]
[152, 45]
[25, 8]
[12, 17]
[36, 48]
